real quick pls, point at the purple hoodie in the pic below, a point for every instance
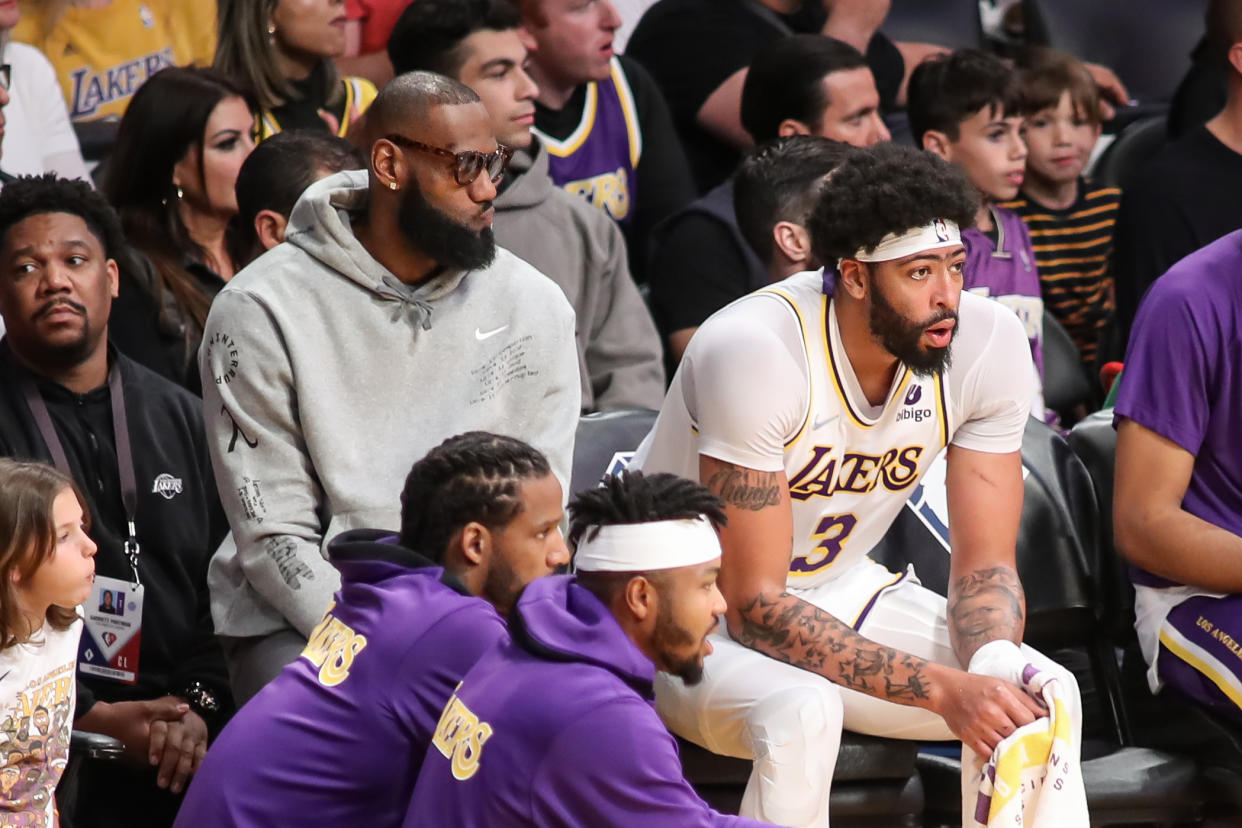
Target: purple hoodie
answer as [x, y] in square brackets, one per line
[556, 728]
[337, 738]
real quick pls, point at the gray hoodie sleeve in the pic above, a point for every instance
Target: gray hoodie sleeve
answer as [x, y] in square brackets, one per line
[623, 354]
[267, 482]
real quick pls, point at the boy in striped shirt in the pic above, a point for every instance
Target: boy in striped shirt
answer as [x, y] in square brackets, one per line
[1070, 218]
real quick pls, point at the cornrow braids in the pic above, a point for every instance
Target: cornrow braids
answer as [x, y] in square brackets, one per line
[471, 478]
[633, 497]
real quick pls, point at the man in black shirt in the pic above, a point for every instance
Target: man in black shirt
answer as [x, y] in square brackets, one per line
[698, 51]
[134, 444]
[801, 85]
[605, 125]
[1188, 195]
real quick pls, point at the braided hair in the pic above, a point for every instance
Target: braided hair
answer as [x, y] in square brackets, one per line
[634, 497]
[473, 477]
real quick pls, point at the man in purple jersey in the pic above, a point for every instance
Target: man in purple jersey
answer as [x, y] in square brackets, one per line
[644, 598]
[338, 737]
[1178, 498]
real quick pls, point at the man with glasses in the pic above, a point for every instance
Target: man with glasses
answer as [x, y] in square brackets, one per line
[388, 321]
[479, 42]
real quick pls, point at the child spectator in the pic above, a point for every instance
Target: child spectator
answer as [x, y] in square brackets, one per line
[282, 52]
[964, 108]
[104, 50]
[1070, 218]
[46, 570]
[171, 178]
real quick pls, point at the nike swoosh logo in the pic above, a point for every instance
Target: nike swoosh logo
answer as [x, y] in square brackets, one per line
[818, 424]
[479, 335]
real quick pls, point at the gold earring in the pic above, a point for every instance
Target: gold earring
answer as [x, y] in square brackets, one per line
[392, 185]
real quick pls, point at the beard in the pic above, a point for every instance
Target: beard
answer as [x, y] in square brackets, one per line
[435, 234]
[65, 353]
[900, 336]
[502, 585]
[667, 638]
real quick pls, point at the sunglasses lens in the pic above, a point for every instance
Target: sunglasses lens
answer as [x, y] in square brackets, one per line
[496, 163]
[469, 165]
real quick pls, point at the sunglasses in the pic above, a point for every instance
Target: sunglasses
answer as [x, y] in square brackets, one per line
[467, 164]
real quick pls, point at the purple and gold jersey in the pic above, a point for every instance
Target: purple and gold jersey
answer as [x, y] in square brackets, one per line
[599, 159]
[339, 736]
[1183, 377]
[1005, 271]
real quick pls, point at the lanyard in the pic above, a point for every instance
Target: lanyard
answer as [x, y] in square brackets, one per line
[124, 453]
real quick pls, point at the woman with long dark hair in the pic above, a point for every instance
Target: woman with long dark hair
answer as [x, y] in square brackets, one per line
[171, 177]
[282, 51]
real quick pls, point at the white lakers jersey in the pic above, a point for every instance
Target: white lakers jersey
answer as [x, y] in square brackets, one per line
[766, 384]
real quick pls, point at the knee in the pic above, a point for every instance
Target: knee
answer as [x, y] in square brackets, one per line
[807, 717]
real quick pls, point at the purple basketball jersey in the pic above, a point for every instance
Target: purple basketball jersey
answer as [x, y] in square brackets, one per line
[1006, 272]
[598, 160]
[1183, 377]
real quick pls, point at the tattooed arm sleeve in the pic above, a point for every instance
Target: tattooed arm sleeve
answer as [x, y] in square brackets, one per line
[986, 601]
[762, 615]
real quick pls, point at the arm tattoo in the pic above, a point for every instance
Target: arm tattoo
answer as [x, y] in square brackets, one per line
[791, 630]
[747, 489]
[985, 605]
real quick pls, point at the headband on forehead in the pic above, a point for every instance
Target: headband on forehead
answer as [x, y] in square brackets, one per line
[938, 233]
[645, 547]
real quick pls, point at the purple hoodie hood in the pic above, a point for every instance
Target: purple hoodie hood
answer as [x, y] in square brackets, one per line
[557, 620]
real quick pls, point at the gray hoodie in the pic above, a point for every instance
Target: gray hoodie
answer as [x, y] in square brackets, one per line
[325, 378]
[582, 250]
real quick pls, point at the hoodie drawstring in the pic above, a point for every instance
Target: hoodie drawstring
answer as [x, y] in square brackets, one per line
[418, 310]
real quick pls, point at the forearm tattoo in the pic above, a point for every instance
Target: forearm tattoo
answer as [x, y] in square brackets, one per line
[985, 605]
[747, 489]
[791, 630]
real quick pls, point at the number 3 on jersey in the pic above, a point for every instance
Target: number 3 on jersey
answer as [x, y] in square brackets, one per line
[832, 532]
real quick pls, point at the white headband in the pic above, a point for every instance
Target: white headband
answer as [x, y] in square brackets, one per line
[939, 233]
[644, 547]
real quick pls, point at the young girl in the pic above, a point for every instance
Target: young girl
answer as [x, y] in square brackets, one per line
[46, 570]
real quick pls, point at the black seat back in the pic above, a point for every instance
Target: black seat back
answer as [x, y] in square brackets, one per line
[1066, 383]
[1094, 441]
[1146, 42]
[605, 442]
[951, 23]
[1133, 148]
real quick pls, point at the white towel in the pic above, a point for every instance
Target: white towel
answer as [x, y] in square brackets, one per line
[1033, 778]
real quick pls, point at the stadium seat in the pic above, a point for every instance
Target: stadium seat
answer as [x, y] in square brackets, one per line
[83, 746]
[951, 23]
[1066, 383]
[1057, 557]
[605, 442]
[877, 783]
[1133, 147]
[1146, 42]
